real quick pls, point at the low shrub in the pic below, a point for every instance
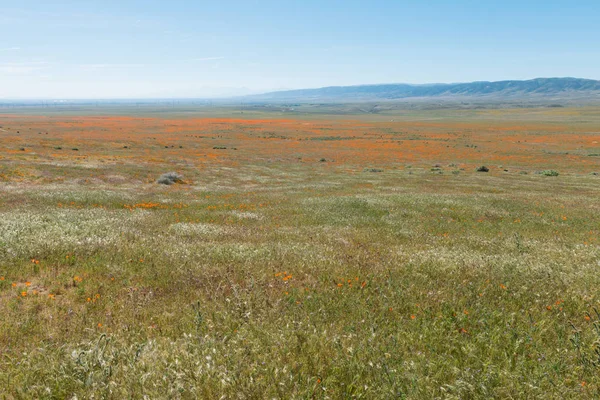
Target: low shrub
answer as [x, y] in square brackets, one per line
[170, 178]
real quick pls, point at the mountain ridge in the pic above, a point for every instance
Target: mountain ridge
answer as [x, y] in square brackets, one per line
[538, 87]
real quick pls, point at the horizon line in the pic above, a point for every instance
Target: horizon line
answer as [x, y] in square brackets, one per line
[267, 91]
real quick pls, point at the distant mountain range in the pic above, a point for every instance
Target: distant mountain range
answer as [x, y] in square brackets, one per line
[534, 88]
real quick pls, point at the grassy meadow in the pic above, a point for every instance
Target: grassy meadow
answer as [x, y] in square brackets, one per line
[303, 256]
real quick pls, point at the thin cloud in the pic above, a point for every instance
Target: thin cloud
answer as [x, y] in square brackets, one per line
[26, 68]
[140, 65]
[10, 49]
[108, 66]
[208, 58]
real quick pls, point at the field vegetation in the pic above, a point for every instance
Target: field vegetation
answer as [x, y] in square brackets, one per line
[300, 256]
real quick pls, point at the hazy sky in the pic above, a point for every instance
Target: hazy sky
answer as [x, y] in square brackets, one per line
[196, 48]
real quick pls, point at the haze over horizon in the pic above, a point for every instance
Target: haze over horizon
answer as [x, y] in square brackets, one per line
[138, 49]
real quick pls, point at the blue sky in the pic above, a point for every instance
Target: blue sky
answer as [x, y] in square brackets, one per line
[115, 49]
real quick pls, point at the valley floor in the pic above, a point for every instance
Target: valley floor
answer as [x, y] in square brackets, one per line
[302, 257]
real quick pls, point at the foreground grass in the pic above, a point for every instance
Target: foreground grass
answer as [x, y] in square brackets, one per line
[329, 286]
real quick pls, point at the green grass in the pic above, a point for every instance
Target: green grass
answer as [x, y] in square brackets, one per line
[190, 304]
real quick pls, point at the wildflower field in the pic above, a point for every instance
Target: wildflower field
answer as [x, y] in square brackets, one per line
[300, 255]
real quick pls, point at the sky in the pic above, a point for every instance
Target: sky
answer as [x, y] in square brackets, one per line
[197, 48]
